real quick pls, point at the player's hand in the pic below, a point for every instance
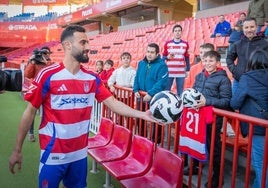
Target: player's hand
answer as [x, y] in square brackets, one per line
[15, 158]
[171, 56]
[137, 95]
[149, 117]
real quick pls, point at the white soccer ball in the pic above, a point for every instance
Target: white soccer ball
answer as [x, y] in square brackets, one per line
[166, 107]
[190, 96]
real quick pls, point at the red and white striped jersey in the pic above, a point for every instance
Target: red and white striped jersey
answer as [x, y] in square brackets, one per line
[67, 101]
[193, 131]
[176, 65]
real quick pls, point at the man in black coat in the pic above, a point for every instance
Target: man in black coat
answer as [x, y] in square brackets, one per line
[242, 49]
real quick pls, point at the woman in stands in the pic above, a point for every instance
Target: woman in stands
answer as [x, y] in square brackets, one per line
[250, 98]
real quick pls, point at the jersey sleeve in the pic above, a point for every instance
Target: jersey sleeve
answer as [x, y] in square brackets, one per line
[34, 94]
[102, 92]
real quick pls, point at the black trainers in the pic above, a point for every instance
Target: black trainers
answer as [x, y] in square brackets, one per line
[186, 171]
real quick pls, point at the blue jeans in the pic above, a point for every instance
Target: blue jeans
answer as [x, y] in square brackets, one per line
[257, 157]
[179, 84]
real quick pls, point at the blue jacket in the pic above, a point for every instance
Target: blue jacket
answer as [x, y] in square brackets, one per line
[223, 28]
[235, 36]
[151, 77]
[254, 85]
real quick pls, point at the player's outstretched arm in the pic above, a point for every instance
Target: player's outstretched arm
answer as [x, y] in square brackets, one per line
[124, 110]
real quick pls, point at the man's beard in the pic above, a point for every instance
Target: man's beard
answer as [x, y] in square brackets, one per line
[82, 57]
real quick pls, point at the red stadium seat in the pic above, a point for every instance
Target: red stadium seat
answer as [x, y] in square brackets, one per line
[117, 149]
[166, 171]
[104, 134]
[137, 163]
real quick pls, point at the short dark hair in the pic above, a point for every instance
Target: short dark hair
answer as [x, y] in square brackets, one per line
[258, 59]
[214, 54]
[110, 62]
[208, 45]
[250, 19]
[99, 61]
[125, 54]
[154, 45]
[47, 49]
[175, 26]
[70, 30]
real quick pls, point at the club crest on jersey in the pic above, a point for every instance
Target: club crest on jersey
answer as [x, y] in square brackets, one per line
[86, 87]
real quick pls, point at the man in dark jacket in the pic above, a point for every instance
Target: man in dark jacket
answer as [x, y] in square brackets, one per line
[151, 77]
[242, 49]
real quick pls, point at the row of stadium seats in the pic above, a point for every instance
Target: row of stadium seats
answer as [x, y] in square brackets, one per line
[23, 17]
[28, 17]
[110, 46]
[45, 18]
[132, 159]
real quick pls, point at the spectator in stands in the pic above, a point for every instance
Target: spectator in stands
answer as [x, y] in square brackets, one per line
[215, 87]
[258, 9]
[99, 66]
[250, 97]
[67, 91]
[222, 29]
[197, 68]
[177, 59]
[39, 60]
[107, 71]
[241, 19]
[123, 76]
[236, 34]
[151, 77]
[241, 50]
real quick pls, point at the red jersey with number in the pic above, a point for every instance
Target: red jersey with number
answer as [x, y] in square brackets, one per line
[67, 101]
[193, 132]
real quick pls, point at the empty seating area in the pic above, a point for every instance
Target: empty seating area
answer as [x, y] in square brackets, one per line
[28, 17]
[3, 16]
[45, 18]
[134, 160]
[23, 17]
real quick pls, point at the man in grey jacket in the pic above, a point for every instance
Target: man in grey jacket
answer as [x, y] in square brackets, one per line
[242, 49]
[258, 9]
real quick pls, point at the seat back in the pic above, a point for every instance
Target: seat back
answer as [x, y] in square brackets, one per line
[121, 138]
[169, 166]
[106, 128]
[142, 150]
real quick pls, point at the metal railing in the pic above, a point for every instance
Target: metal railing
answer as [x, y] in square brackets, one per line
[169, 139]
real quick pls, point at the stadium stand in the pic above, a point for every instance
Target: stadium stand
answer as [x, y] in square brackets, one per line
[45, 18]
[24, 17]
